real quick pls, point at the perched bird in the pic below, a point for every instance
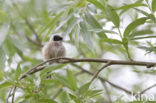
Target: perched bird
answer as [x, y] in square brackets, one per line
[54, 48]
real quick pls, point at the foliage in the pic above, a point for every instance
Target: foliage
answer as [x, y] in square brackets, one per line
[93, 27]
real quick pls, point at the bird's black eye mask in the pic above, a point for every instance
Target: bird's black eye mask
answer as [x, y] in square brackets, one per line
[57, 38]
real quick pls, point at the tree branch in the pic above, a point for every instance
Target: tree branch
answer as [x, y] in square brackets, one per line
[73, 60]
[42, 65]
[9, 94]
[13, 95]
[32, 41]
[28, 38]
[96, 74]
[142, 92]
[37, 39]
[103, 79]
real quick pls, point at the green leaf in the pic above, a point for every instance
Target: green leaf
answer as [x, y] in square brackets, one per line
[152, 17]
[64, 21]
[62, 80]
[141, 32]
[129, 6]
[2, 59]
[133, 25]
[30, 59]
[112, 41]
[16, 45]
[9, 49]
[71, 24]
[80, 3]
[112, 15]
[84, 89]
[3, 34]
[13, 46]
[52, 68]
[71, 79]
[93, 93]
[97, 4]
[50, 81]
[18, 70]
[153, 5]
[144, 37]
[50, 25]
[100, 30]
[47, 101]
[3, 17]
[64, 97]
[94, 24]
[74, 98]
[92, 21]
[5, 84]
[149, 49]
[86, 35]
[125, 43]
[92, 8]
[141, 11]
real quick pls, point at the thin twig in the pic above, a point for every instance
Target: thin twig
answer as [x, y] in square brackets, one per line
[112, 84]
[32, 41]
[102, 79]
[38, 41]
[13, 95]
[142, 92]
[96, 74]
[79, 73]
[9, 94]
[28, 38]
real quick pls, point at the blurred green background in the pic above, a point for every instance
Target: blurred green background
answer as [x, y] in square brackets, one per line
[110, 29]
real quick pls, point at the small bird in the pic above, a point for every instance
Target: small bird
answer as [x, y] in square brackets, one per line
[54, 48]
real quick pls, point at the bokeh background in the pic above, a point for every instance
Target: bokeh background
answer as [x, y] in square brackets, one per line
[91, 29]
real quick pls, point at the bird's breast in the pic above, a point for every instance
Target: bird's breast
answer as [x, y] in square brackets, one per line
[57, 50]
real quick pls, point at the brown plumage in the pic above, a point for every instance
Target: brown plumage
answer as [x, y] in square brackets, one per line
[54, 48]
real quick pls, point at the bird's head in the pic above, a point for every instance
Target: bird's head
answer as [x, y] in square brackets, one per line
[57, 38]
